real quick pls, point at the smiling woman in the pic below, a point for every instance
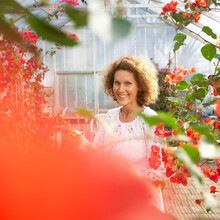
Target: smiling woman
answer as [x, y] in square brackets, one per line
[132, 82]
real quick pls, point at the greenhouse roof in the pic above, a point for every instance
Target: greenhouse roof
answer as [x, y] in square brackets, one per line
[141, 13]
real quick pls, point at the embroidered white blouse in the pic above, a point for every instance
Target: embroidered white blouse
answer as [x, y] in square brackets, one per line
[133, 141]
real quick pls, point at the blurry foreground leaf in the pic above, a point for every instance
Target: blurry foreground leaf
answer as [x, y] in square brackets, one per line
[11, 7]
[162, 117]
[79, 17]
[192, 152]
[195, 172]
[208, 150]
[104, 26]
[49, 32]
[209, 201]
[176, 100]
[86, 113]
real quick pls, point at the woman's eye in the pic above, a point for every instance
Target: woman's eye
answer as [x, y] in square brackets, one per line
[117, 83]
[127, 83]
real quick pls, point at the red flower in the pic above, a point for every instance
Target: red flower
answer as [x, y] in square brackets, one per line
[154, 162]
[155, 148]
[181, 122]
[212, 175]
[190, 105]
[198, 201]
[155, 158]
[207, 120]
[169, 172]
[179, 178]
[217, 108]
[216, 124]
[213, 189]
[196, 17]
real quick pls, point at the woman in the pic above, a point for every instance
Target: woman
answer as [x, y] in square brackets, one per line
[133, 84]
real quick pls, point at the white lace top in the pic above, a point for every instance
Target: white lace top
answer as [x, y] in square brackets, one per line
[133, 141]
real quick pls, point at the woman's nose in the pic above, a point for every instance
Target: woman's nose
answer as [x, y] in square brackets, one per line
[121, 87]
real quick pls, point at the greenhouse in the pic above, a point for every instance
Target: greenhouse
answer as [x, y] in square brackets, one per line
[139, 79]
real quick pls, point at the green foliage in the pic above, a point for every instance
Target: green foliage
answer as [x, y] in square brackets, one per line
[162, 117]
[79, 17]
[163, 102]
[197, 78]
[209, 32]
[192, 152]
[208, 51]
[186, 157]
[181, 85]
[179, 38]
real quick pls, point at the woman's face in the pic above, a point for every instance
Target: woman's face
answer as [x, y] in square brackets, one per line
[125, 88]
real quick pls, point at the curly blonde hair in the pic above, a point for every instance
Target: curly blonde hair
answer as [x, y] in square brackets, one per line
[144, 73]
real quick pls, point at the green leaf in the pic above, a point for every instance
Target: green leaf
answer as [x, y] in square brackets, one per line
[78, 16]
[120, 28]
[210, 138]
[177, 17]
[204, 84]
[86, 113]
[208, 51]
[202, 129]
[180, 41]
[180, 38]
[216, 2]
[173, 99]
[162, 117]
[193, 118]
[192, 152]
[199, 93]
[218, 90]
[49, 32]
[181, 85]
[193, 169]
[190, 98]
[11, 7]
[209, 32]
[176, 46]
[197, 78]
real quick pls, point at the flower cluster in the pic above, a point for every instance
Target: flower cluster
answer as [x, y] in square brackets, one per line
[74, 2]
[177, 76]
[24, 100]
[29, 36]
[154, 159]
[176, 175]
[192, 11]
[215, 85]
[166, 90]
[193, 134]
[218, 42]
[169, 7]
[211, 174]
[160, 132]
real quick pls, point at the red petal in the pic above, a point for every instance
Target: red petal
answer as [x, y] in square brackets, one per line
[217, 108]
